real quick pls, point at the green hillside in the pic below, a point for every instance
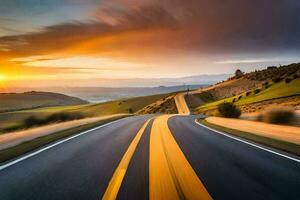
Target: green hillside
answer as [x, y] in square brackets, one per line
[275, 91]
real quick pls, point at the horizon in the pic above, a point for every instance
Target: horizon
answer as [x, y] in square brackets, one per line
[69, 42]
[118, 83]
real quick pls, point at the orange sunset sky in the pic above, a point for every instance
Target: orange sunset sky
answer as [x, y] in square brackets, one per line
[64, 42]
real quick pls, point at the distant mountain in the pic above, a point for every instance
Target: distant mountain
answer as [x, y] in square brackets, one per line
[155, 82]
[205, 79]
[112, 89]
[102, 94]
[18, 101]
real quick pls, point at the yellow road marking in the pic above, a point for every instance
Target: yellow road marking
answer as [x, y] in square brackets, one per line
[171, 175]
[117, 178]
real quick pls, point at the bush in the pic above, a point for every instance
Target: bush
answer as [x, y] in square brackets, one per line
[64, 116]
[256, 91]
[288, 80]
[56, 117]
[130, 110]
[32, 121]
[240, 97]
[295, 76]
[229, 110]
[277, 79]
[278, 115]
[248, 93]
[266, 83]
[233, 100]
[291, 73]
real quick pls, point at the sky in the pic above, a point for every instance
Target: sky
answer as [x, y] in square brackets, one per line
[68, 42]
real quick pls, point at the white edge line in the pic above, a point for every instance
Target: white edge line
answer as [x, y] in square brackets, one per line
[249, 143]
[53, 145]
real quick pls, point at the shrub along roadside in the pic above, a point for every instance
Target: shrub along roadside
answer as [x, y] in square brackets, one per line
[56, 117]
[281, 115]
[34, 121]
[12, 152]
[228, 110]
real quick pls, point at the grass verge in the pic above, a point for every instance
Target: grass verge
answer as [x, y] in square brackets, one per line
[12, 152]
[278, 144]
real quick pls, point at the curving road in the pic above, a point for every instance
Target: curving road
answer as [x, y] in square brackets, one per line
[181, 104]
[146, 157]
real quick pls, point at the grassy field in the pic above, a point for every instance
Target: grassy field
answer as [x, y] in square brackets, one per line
[9, 153]
[275, 91]
[9, 120]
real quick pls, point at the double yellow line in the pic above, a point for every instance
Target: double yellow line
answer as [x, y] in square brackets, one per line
[170, 174]
[117, 178]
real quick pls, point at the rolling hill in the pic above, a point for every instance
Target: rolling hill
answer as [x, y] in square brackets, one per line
[275, 91]
[104, 94]
[28, 100]
[13, 120]
[262, 88]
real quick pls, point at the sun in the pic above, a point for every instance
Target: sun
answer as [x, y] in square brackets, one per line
[2, 77]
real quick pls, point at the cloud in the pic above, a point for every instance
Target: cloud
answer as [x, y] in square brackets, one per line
[150, 30]
[256, 60]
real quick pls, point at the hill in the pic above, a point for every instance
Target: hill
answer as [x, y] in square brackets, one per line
[165, 105]
[10, 121]
[104, 94]
[273, 92]
[28, 100]
[273, 72]
[266, 86]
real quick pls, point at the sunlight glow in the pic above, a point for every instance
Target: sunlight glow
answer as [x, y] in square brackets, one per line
[2, 77]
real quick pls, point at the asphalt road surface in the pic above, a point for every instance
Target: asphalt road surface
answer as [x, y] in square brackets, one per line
[146, 157]
[181, 104]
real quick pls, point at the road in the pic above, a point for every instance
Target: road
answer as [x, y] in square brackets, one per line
[146, 157]
[181, 104]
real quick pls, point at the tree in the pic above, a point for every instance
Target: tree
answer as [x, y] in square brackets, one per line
[238, 73]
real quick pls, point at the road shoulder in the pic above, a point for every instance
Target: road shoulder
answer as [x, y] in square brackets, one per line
[267, 141]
